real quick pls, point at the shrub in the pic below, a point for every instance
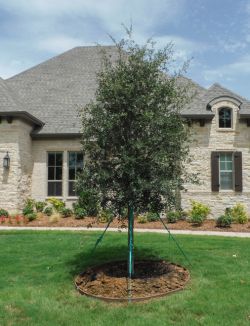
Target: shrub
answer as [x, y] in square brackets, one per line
[197, 219]
[224, 221]
[4, 213]
[66, 212]
[28, 210]
[57, 204]
[31, 216]
[152, 217]
[142, 219]
[239, 213]
[199, 212]
[48, 211]
[105, 216]
[89, 200]
[173, 216]
[40, 205]
[29, 206]
[80, 213]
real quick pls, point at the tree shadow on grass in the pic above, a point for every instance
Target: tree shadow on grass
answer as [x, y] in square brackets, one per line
[106, 254]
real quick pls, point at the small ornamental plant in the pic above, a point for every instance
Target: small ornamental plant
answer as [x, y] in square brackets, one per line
[31, 216]
[142, 219]
[2, 219]
[105, 216]
[198, 213]
[3, 212]
[239, 213]
[224, 221]
[80, 213]
[48, 211]
[66, 212]
[173, 216]
[57, 204]
[40, 205]
[152, 217]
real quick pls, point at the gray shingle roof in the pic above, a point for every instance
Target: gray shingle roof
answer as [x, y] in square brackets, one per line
[198, 106]
[54, 90]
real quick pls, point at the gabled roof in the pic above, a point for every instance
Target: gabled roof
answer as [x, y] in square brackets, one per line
[200, 104]
[54, 90]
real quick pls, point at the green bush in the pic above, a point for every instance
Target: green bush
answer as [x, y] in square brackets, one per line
[173, 216]
[80, 213]
[28, 210]
[48, 211]
[31, 216]
[142, 219]
[40, 205]
[224, 221]
[199, 212]
[89, 200]
[239, 213]
[3, 212]
[152, 217]
[66, 212]
[57, 204]
[29, 206]
[105, 215]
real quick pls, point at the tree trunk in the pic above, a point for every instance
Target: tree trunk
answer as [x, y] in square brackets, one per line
[130, 242]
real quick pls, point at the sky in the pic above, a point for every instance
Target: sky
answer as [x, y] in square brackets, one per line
[213, 34]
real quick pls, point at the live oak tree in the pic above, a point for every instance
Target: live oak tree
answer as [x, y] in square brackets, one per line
[134, 139]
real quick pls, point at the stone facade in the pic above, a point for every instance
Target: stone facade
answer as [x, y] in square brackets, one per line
[211, 138]
[15, 181]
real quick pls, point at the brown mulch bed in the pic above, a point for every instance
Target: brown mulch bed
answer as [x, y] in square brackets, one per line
[152, 279]
[208, 225]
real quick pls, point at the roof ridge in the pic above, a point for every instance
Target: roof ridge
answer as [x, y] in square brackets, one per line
[51, 59]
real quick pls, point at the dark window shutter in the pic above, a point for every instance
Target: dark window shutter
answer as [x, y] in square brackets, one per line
[215, 171]
[238, 171]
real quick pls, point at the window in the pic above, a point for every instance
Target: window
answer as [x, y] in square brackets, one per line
[226, 171]
[75, 165]
[225, 118]
[55, 164]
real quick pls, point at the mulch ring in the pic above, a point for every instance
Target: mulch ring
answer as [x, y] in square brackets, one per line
[152, 279]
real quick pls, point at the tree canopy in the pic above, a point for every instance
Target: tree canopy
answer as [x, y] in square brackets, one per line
[134, 138]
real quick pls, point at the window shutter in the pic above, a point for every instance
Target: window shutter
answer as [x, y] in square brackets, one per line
[215, 171]
[238, 171]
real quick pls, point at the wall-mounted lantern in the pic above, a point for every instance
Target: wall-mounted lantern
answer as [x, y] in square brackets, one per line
[6, 161]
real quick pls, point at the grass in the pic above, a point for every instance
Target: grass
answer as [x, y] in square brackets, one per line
[37, 270]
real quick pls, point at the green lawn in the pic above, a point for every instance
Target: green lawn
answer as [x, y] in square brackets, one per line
[37, 270]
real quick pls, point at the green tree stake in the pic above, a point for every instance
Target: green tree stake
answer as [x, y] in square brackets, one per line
[130, 242]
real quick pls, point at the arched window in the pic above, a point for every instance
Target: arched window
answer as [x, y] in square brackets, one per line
[225, 118]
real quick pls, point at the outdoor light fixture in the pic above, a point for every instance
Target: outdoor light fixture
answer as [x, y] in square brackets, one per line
[6, 161]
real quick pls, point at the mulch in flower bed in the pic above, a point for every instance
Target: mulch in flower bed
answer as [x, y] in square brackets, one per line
[208, 225]
[152, 279]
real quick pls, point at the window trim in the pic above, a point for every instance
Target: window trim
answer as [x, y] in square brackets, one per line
[237, 171]
[47, 177]
[231, 118]
[233, 172]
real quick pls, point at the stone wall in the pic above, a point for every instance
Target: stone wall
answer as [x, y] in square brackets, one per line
[210, 138]
[16, 181]
[40, 148]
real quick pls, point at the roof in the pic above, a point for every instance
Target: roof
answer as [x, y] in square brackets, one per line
[52, 92]
[200, 103]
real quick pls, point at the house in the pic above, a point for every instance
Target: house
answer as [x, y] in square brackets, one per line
[40, 133]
